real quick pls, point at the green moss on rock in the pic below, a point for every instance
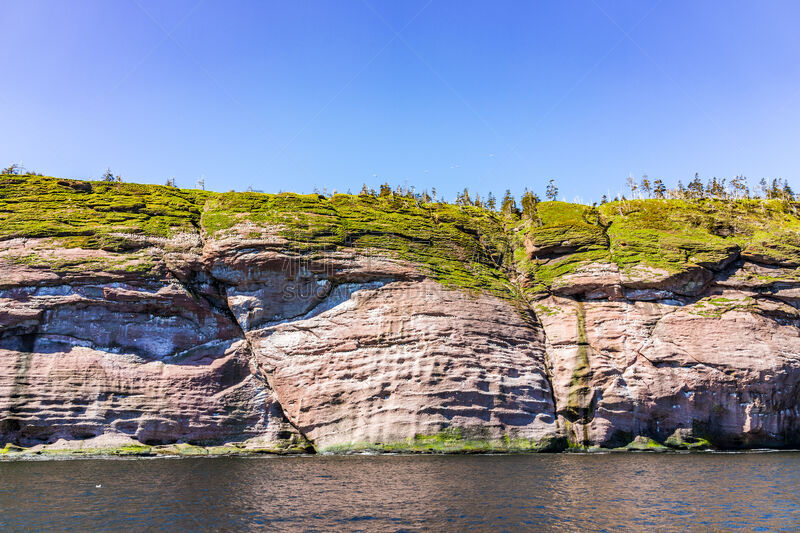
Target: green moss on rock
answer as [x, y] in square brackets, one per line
[460, 246]
[86, 214]
[453, 440]
[642, 443]
[686, 439]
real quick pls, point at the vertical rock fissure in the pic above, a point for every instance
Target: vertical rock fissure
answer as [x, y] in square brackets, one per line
[548, 372]
[254, 363]
[221, 305]
[532, 320]
[579, 399]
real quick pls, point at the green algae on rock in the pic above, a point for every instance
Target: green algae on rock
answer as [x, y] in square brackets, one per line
[453, 440]
[642, 443]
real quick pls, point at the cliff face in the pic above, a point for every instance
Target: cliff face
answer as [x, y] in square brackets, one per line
[147, 314]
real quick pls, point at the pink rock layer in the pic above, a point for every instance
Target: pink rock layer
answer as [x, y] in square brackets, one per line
[236, 342]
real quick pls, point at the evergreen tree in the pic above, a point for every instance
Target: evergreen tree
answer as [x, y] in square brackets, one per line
[603, 199]
[463, 198]
[12, 169]
[509, 205]
[364, 190]
[491, 202]
[659, 190]
[681, 190]
[552, 191]
[715, 188]
[779, 189]
[788, 193]
[695, 187]
[386, 190]
[529, 201]
[775, 189]
[109, 176]
[632, 186]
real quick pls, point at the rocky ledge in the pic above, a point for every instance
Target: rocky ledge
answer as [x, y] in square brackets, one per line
[150, 320]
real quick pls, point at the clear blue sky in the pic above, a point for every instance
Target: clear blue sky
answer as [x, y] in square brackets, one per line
[293, 95]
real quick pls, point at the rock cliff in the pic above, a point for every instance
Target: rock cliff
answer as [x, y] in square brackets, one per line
[149, 316]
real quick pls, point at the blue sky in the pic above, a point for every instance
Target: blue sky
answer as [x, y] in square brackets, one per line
[293, 95]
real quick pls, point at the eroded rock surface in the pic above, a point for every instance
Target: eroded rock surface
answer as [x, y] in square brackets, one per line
[261, 321]
[250, 342]
[140, 358]
[726, 365]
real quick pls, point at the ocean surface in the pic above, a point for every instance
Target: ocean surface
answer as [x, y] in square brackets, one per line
[566, 492]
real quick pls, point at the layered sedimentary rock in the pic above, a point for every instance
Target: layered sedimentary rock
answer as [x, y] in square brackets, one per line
[626, 368]
[699, 335]
[364, 349]
[164, 316]
[81, 358]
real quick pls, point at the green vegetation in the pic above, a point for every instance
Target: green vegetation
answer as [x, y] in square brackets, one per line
[453, 440]
[672, 236]
[559, 238]
[687, 441]
[469, 246]
[142, 450]
[578, 398]
[715, 307]
[677, 234]
[544, 310]
[11, 448]
[461, 246]
[642, 443]
[94, 215]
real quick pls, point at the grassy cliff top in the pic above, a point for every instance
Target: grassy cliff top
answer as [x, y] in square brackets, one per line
[460, 246]
[671, 236]
[87, 214]
[464, 246]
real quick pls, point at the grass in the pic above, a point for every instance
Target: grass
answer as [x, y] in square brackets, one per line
[460, 246]
[91, 214]
[675, 235]
[672, 236]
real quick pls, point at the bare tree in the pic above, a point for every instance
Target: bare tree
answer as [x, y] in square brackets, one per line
[632, 185]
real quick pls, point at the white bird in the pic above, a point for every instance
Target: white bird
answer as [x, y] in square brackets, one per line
[98, 486]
